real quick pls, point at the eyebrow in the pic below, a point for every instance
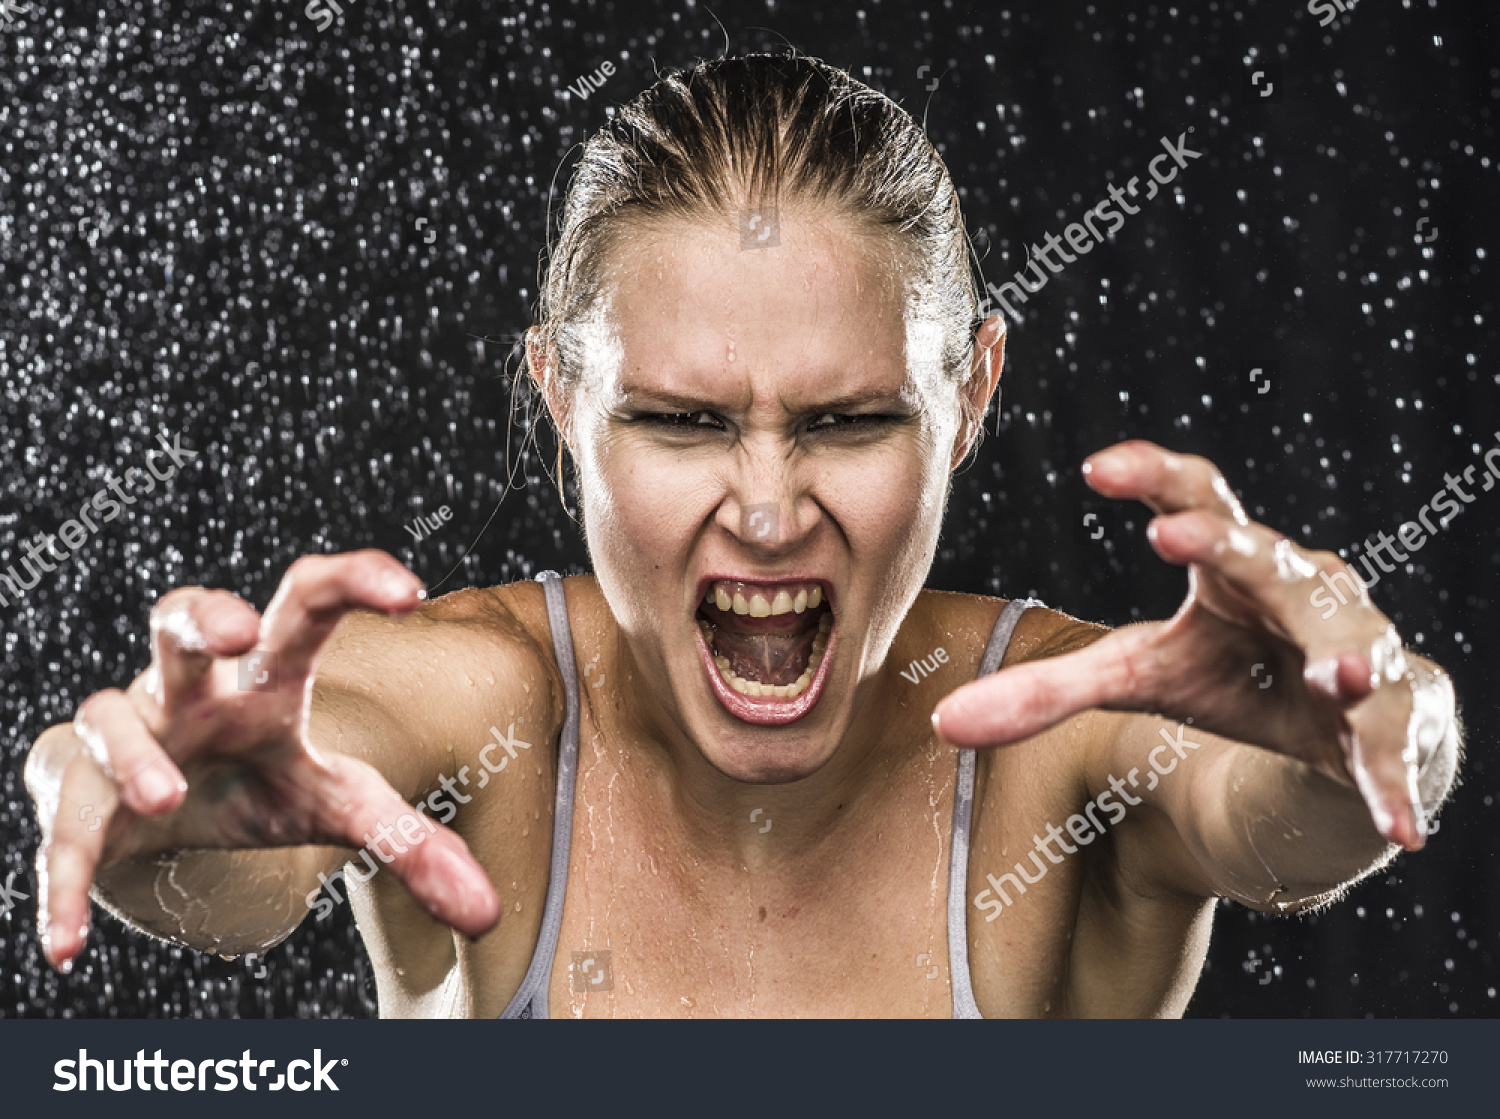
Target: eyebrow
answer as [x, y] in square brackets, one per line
[681, 403]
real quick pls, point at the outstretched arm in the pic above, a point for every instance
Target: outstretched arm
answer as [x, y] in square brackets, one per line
[1316, 741]
[1269, 831]
[201, 808]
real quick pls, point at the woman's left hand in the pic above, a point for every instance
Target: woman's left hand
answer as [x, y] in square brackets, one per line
[1248, 656]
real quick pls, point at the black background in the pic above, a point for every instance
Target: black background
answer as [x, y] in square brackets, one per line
[230, 225]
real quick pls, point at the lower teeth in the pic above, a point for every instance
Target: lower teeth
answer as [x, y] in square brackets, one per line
[786, 691]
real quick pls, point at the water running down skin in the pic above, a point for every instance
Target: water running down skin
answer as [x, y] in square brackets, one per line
[703, 911]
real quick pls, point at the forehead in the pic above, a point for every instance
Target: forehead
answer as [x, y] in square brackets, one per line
[688, 311]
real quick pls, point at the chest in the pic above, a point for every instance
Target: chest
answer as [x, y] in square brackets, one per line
[848, 920]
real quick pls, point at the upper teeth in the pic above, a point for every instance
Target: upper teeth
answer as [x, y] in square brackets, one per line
[732, 596]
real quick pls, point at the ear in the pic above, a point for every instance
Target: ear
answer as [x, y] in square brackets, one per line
[983, 382]
[541, 363]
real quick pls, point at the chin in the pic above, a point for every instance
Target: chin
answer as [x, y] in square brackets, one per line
[769, 761]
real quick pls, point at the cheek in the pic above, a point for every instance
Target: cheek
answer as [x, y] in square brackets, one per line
[890, 498]
[638, 504]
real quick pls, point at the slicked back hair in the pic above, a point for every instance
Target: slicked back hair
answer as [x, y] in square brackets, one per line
[756, 131]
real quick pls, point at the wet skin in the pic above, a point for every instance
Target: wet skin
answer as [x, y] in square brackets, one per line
[822, 403]
[824, 914]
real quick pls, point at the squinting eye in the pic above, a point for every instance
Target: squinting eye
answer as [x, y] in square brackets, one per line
[682, 419]
[833, 421]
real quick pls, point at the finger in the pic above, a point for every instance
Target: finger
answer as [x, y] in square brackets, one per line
[318, 591]
[1026, 699]
[1387, 781]
[1405, 720]
[190, 627]
[1348, 655]
[1342, 678]
[117, 738]
[432, 861]
[1282, 588]
[1169, 483]
[69, 856]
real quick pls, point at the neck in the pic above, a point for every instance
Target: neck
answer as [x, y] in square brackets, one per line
[883, 735]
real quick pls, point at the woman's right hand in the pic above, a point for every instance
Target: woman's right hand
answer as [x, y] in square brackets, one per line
[188, 758]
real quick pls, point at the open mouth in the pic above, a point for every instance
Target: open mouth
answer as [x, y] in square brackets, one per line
[765, 646]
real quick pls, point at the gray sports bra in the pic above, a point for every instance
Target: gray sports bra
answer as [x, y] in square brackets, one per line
[530, 1000]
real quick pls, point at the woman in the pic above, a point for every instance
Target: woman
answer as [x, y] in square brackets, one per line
[725, 784]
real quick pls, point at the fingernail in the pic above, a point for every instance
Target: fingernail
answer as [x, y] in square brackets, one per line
[1384, 822]
[937, 721]
[1323, 676]
[154, 786]
[397, 584]
[219, 622]
[449, 871]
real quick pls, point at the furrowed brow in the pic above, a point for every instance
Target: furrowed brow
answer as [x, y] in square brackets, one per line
[666, 401]
[859, 398]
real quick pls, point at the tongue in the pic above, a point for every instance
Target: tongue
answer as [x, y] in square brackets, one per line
[767, 658]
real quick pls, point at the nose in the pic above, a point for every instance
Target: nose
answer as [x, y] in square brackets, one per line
[761, 522]
[768, 509]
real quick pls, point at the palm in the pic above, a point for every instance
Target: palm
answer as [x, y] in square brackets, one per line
[1234, 679]
[1249, 656]
[190, 758]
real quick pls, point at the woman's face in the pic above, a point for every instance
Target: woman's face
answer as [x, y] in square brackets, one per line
[764, 439]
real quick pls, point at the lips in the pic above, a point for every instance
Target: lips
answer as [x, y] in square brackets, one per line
[765, 646]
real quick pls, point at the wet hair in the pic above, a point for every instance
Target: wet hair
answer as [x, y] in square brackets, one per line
[750, 132]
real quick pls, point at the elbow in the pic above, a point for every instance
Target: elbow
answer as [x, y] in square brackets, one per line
[1298, 899]
[1292, 840]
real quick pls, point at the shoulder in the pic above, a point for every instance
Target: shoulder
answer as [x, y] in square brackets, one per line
[457, 662]
[509, 620]
[1040, 632]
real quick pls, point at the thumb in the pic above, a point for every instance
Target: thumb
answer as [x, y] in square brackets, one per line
[1017, 702]
[431, 860]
